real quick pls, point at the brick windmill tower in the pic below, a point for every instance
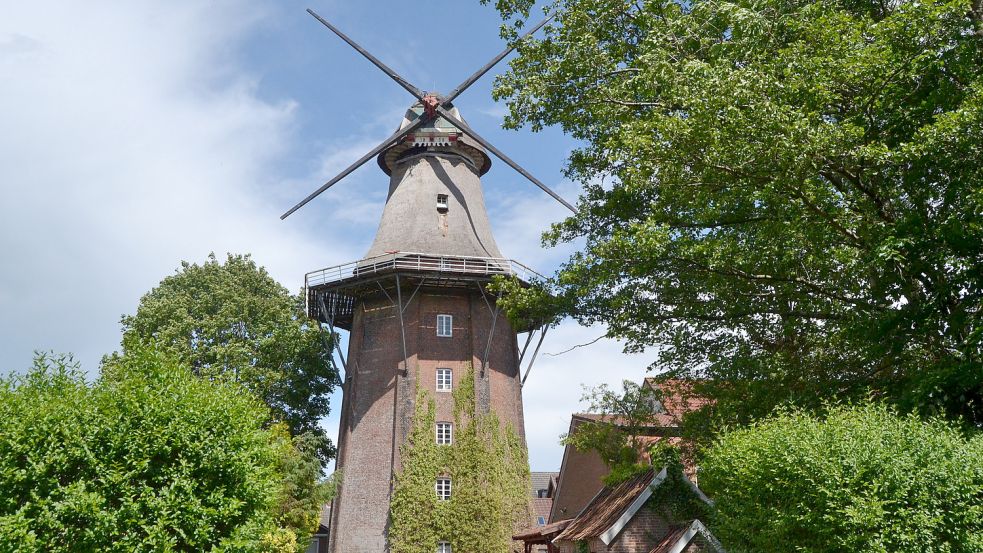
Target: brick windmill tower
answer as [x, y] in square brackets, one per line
[416, 306]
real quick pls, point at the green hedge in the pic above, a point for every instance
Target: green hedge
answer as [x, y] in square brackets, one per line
[861, 480]
[147, 458]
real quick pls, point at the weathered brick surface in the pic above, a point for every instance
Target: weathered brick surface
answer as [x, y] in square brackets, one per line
[380, 397]
[581, 477]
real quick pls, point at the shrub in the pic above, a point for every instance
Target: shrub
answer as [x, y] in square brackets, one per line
[862, 479]
[147, 458]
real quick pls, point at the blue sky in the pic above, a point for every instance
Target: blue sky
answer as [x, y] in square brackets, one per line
[142, 133]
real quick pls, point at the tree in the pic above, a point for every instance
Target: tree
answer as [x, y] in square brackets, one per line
[147, 458]
[232, 321]
[783, 196]
[619, 437]
[862, 479]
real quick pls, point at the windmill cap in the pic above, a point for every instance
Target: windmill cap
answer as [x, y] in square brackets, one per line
[438, 135]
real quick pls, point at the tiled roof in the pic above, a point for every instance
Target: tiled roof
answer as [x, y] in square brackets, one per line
[683, 536]
[541, 507]
[677, 396]
[606, 508]
[665, 546]
[324, 521]
[661, 420]
[677, 399]
[542, 531]
[541, 480]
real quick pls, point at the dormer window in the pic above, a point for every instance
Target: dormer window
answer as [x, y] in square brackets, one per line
[442, 203]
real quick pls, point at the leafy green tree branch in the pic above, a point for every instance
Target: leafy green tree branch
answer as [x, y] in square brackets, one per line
[781, 198]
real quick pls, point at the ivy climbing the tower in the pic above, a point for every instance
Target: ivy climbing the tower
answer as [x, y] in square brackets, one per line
[489, 472]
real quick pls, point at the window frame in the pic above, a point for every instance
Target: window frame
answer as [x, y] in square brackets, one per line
[438, 488]
[449, 325]
[449, 434]
[444, 547]
[450, 379]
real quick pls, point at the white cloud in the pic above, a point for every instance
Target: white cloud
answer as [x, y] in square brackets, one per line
[132, 140]
[557, 382]
[495, 111]
[521, 218]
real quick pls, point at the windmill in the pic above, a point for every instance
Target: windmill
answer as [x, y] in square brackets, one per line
[433, 105]
[417, 307]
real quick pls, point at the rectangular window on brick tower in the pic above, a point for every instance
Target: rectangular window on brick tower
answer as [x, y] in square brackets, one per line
[445, 325]
[444, 431]
[444, 547]
[443, 488]
[444, 380]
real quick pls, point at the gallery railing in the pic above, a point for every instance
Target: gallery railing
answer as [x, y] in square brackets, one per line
[478, 266]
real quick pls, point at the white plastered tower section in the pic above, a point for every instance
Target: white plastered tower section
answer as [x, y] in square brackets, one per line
[412, 220]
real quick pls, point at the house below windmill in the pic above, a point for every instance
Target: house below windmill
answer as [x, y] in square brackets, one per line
[319, 540]
[542, 489]
[629, 517]
[582, 472]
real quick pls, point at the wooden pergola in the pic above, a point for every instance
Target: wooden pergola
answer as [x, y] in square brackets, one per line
[542, 535]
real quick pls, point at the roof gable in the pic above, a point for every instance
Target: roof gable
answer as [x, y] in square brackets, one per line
[677, 540]
[608, 536]
[608, 507]
[676, 397]
[607, 514]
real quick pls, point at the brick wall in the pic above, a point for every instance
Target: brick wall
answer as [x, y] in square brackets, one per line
[640, 535]
[379, 399]
[580, 480]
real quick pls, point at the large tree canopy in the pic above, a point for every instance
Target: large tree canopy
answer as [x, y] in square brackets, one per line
[232, 321]
[861, 479]
[783, 196]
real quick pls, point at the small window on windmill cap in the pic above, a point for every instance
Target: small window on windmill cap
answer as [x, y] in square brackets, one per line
[441, 202]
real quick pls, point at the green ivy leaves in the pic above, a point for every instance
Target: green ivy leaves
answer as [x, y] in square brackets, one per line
[489, 472]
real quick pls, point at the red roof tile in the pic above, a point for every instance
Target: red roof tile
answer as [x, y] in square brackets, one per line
[661, 420]
[665, 545]
[541, 507]
[677, 396]
[606, 508]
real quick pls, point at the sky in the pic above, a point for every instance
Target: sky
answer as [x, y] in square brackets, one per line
[134, 135]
